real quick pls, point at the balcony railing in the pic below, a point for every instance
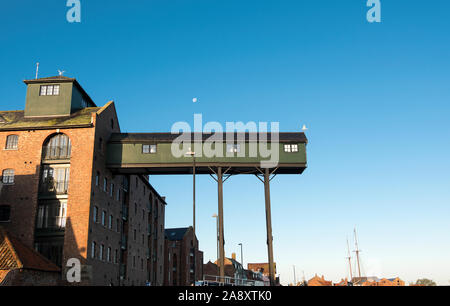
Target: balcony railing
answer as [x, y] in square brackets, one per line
[56, 152]
[54, 187]
[51, 223]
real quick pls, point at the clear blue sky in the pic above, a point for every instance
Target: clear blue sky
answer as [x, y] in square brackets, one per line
[374, 96]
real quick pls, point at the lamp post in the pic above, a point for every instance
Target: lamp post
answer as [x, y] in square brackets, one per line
[192, 153]
[217, 233]
[217, 236]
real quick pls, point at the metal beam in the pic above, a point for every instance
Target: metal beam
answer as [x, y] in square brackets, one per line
[269, 226]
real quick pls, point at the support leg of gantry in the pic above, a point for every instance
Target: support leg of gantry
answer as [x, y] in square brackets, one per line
[220, 211]
[269, 226]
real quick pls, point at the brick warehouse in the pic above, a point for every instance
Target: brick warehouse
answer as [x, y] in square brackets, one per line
[183, 260]
[58, 197]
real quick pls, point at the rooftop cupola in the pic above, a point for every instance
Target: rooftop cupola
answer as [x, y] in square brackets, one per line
[57, 96]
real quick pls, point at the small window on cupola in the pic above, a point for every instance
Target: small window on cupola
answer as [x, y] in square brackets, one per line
[49, 90]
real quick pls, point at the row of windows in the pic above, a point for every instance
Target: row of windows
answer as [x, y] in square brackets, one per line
[105, 186]
[49, 90]
[103, 220]
[102, 255]
[291, 148]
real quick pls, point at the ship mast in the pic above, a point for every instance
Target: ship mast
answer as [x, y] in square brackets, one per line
[349, 261]
[357, 254]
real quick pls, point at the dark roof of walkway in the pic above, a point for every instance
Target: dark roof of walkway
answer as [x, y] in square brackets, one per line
[287, 137]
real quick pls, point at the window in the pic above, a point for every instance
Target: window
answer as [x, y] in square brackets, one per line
[5, 213]
[118, 195]
[100, 255]
[12, 142]
[117, 225]
[149, 149]
[97, 178]
[93, 248]
[57, 147]
[51, 215]
[95, 217]
[291, 148]
[55, 179]
[49, 90]
[115, 256]
[105, 184]
[111, 190]
[108, 255]
[8, 176]
[83, 103]
[110, 222]
[103, 218]
[233, 148]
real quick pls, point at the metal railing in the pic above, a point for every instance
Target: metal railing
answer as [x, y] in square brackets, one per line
[54, 187]
[56, 152]
[214, 280]
[51, 223]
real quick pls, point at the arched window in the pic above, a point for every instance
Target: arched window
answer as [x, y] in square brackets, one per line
[12, 142]
[57, 147]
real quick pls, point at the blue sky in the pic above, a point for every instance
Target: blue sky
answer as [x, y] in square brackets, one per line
[374, 96]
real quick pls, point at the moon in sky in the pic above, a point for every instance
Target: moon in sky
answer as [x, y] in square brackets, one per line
[194, 100]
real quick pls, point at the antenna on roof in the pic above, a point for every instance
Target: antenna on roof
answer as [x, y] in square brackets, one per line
[37, 70]
[61, 72]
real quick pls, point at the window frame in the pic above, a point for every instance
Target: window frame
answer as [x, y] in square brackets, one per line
[149, 148]
[7, 177]
[46, 91]
[15, 142]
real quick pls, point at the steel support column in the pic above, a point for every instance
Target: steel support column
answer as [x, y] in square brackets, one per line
[221, 238]
[269, 226]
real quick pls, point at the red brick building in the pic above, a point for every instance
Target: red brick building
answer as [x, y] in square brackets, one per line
[58, 197]
[183, 259]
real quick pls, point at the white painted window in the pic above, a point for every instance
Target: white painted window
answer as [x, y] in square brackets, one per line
[49, 90]
[149, 149]
[12, 142]
[8, 176]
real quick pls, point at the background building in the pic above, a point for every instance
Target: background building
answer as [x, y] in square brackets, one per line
[59, 197]
[183, 259]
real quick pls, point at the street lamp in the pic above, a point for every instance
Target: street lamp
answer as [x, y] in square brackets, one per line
[192, 153]
[217, 236]
[217, 239]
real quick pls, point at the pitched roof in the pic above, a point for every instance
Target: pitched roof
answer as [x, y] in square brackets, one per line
[16, 255]
[15, 120]
[176, 234]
